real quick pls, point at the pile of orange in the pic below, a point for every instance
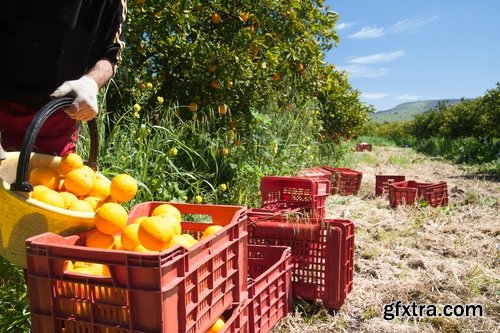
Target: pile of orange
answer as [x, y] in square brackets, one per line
[158, 231]
[75, 186]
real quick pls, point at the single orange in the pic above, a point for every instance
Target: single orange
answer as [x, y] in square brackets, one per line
[217, 326]
[79, 181]
[211, 230]
[123, 188]
[216, 18]
[81, 206]
[99, 269]
[190, 239]
[174, 222]
[100, 188]
[215, 84]
[167, 209]
[179, 240]
[110, 218]
[69, 162]
[94, 202]
[155, 233]
[83, 270]
[130, 237]
[37, 189]
[212, 68]
[243, 17]
[223, 109]
[50, 197]
[193, 107]
[44, 176]
[68, 198]
[100, 240]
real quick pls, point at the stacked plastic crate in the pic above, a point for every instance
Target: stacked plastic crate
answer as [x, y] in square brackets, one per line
[322, 249]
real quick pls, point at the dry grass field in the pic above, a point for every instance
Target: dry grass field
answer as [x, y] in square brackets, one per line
[413, 254]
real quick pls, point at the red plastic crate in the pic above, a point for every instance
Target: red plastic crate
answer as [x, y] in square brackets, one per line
[410, 191]
[435, 194]
[382, 183]
[347, 256]
[287, 192]
[256, 214]
[322, 255]
[403, 193]
[237, 318]
[346, 181]
[269, 288]
[315, 172]
[364, 147]
[176, 290]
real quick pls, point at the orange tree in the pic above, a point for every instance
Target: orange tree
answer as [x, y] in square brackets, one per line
[229, 56]
[242, 87]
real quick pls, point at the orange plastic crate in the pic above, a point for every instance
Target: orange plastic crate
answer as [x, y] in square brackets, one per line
[269, 289]
[382, 183]
[176, 290]
[322, 255]
[345, 181]
[287, 192]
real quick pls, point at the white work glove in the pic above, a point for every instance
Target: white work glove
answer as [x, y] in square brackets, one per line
[84, 91]
[3, 154]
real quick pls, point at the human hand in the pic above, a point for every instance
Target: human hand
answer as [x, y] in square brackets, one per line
[84, 91]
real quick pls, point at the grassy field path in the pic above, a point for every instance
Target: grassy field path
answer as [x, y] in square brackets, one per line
[412, 254]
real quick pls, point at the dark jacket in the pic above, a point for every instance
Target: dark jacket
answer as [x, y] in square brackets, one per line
[46, 42]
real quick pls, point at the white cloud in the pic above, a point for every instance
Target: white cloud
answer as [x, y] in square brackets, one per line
[378, 58]
[368, 32]
[376, 32]
[343, 26]
[375, 95]
[407, 97]
[411, 23]
[364, 71]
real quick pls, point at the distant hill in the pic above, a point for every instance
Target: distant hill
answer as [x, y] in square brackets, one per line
[406, 111]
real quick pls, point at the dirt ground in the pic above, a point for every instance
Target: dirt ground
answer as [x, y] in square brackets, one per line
[414, 254]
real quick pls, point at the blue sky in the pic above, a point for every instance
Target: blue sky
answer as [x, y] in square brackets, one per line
[399, 51]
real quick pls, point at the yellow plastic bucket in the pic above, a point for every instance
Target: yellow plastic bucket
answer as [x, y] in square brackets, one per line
[22, 217]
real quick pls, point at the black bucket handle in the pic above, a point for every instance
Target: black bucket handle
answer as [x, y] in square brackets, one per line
[21, 184]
